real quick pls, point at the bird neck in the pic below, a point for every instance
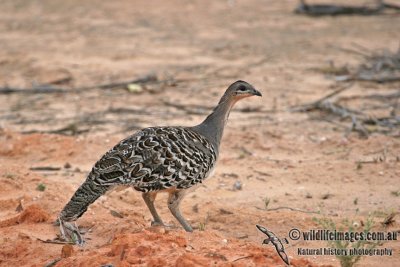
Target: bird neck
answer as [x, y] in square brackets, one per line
[213, 126]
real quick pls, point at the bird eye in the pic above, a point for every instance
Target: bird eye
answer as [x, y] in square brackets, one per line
[242, 88]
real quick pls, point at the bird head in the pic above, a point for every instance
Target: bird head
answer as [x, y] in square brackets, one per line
[239, 90]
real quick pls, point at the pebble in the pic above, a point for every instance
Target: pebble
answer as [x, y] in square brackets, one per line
[237, 185]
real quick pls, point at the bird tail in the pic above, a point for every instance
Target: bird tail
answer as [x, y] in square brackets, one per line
[86, 194]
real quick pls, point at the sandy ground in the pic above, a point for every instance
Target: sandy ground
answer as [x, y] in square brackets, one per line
[195, 49]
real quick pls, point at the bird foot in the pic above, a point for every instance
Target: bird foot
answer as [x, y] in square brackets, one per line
[157, 223]
[162, 224]
[70, 232]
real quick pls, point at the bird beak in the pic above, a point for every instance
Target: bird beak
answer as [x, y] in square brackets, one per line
[256, 92]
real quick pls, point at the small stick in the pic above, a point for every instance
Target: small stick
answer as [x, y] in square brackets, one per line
[145, 79]
[316, 103]
[289, 208]
[36, 90]
[359, 77]
[60, 242]
[52, 263]
[45, 168]
[392, 6]
[49, 89]
[242, 258]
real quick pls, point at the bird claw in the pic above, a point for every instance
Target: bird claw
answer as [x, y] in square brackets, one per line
[70, 232]
[166, 226]
[155, 223]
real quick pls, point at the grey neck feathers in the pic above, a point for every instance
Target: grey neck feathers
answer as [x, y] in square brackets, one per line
[213, 126]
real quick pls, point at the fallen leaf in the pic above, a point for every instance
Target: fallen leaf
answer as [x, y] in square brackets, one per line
[134, 88]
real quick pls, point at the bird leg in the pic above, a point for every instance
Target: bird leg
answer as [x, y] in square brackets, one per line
[70, 232]
[174, 200]
[149, 198]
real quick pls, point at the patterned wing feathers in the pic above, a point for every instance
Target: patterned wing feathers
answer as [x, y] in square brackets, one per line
[157, 158]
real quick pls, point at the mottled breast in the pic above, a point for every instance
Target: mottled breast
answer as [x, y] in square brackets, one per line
[157, 158]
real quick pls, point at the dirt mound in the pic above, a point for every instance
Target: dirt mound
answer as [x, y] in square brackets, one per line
[32, 214]
[18, 249]
[156, 247]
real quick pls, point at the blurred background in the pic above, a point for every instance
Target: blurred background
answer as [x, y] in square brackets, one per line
[322, 143]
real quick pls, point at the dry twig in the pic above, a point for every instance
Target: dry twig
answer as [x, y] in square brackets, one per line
[336, 10]
[289, 208]
[46, 89]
